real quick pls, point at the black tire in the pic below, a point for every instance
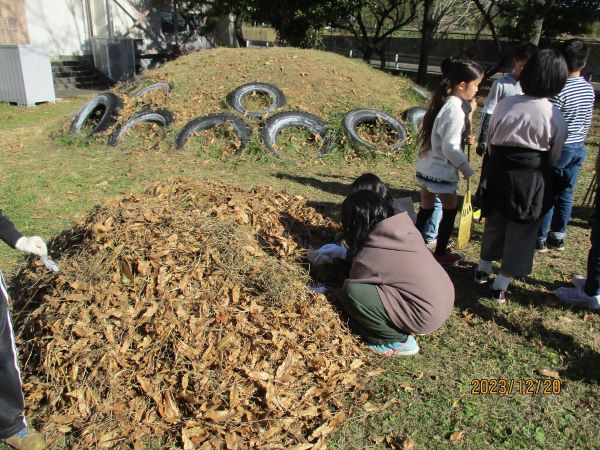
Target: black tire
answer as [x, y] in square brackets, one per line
[163, 117]
[109, 102]
[354, 118]
[235, 98]
[278, 122]
[414, 117]
[240, 128]
[165, 87]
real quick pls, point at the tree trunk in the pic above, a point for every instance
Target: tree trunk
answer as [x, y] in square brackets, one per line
[426, 40]
[534, 19]
[239, 33]
[536, 32]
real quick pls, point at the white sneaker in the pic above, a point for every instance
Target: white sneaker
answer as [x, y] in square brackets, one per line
[577, 296]
[578, 281]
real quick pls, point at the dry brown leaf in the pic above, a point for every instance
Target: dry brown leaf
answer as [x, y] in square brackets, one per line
[408, 443]
[549, 373]
[311, 411]
[457, 436]
[219, 416]
[377, 439]
[371, 407]
[168, 409]
[65, 420]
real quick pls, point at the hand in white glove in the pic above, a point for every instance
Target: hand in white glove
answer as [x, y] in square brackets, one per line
[329, 252]
[32, 244]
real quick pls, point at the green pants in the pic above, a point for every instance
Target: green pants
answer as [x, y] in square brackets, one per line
[367, 316]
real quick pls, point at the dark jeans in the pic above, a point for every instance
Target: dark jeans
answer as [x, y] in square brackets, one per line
[367, 316]
[11, 394]
[592, 284]
[567, 167]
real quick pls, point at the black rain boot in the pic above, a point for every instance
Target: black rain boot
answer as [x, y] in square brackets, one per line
[445, 230]
[422, 217]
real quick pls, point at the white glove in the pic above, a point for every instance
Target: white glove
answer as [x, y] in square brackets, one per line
[32, 244]
[329, 252]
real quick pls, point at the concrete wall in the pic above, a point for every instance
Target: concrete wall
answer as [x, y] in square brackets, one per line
[64, 27]
[59, 24]
[13, 22]
[408, 49]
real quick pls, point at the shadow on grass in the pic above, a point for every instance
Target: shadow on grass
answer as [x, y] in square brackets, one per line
[581, 216]
[333, 187]
[581, 362]
[341, 187]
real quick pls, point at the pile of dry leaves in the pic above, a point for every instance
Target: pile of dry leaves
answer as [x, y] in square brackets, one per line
[183, 316]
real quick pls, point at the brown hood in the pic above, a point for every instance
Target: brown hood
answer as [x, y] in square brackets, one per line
[415, 290]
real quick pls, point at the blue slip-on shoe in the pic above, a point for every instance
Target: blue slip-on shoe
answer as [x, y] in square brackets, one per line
[406, 348]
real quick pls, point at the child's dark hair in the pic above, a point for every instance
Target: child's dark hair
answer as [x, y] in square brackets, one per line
[371, 182]
[524, 51]
[576, 53]
[545, 74]
[361, 211]
[455, 70]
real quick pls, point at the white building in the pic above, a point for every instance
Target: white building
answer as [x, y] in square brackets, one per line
[69, 27]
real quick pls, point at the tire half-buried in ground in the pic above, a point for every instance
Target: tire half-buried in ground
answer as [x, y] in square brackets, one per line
[235, 98]
[162, 117]
[414, 117]
[239, 127]
[106, 106]
[164, 87]
[359, 116]
[278, 122]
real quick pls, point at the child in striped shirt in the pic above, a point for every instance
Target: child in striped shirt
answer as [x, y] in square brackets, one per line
[575, 101]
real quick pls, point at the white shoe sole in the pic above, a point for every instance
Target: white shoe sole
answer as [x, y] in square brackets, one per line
[578, 281]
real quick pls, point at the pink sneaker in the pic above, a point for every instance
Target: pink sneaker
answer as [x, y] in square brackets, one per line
[449, 258]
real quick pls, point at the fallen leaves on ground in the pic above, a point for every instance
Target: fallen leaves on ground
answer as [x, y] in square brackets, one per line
[183, 315]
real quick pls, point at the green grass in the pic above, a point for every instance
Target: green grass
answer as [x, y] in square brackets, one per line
[49, 179]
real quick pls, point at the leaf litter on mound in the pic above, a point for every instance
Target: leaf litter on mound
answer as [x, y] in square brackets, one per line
[322, 83]
[183, 315]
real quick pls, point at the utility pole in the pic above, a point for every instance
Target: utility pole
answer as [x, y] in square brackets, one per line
[175, 30]
[109, 20]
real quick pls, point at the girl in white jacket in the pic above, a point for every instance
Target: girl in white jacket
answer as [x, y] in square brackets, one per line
[441, 157]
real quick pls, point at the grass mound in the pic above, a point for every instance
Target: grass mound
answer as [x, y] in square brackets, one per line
[182, 315]
[322, 83]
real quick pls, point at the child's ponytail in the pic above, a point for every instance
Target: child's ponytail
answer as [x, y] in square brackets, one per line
[438, 99]
[455, 70]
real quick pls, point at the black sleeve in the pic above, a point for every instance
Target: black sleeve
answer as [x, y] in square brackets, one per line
[485, 124]
[350, 254]
[8, 232]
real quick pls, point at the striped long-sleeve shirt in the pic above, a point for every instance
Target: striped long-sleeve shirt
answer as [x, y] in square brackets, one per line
[576, 101]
